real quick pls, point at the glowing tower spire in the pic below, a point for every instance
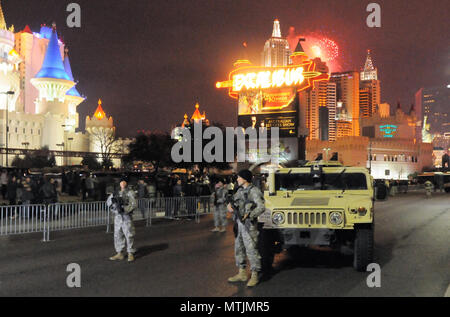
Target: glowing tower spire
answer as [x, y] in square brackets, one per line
[2, 18]
[276, 49]
[276, 29]
[369, 72]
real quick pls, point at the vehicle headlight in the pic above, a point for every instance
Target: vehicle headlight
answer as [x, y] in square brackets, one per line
[278, 218]
[336, 218]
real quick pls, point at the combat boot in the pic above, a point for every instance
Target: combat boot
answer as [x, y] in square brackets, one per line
[253, 279]
[130, 257]
[240, 277]
[117, 257]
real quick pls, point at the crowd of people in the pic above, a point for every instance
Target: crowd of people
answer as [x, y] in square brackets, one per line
[20, 189]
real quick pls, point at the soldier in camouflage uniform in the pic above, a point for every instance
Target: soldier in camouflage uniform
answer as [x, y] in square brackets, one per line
[123, 222]
[219, 198]
[248, 205]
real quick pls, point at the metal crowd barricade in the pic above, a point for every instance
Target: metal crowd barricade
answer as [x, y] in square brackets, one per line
[22, 219]
[178, 207]
[65, 216]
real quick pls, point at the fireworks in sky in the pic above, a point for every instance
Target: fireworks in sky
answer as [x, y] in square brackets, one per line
[318, 44]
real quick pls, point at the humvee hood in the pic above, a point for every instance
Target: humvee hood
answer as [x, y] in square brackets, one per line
[321, 200]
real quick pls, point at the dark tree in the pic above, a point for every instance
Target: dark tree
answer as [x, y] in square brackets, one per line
[152, 147]
[91, 162]
[36, 159]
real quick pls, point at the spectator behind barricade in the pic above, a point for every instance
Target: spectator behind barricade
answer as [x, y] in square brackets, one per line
[83, 187]
[191, 201]
[12, 191]
[101, 193]
[151, 188]
[48, 192]
[27, 192]
[142, 189]
[64, 182]
[4, 183]
[19, 191]
[177, 194]
[141, 194]
[90, 186]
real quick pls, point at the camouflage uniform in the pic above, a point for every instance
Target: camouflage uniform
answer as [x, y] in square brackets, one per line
[123, 223]
[248, 200]
[220, 211]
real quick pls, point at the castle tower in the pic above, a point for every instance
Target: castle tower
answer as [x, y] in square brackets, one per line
[53, 83]
[101, 131]
[73, 97]
[9, 65]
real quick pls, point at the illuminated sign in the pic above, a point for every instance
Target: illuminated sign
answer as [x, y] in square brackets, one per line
[268, 101]
[287, 123]
[388, 130]
[268, 79]
[251, 78]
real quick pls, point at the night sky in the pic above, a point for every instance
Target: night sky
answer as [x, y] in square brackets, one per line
[151, 60]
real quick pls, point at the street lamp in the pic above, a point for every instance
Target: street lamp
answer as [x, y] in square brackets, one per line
[7, 93]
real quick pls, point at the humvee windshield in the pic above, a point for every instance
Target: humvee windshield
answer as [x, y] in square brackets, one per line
[329, 181]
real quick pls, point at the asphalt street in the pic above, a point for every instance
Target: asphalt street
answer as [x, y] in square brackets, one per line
[182, 258]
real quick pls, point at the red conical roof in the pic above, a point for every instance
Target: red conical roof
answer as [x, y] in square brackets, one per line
[99, 113]
[27, 30]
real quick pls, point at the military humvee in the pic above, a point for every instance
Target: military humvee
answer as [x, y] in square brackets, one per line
[320, 204]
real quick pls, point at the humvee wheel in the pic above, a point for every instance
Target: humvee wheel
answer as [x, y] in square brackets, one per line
[267, 249]
[363, 249]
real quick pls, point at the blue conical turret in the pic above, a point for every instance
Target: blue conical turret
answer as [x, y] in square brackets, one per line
[53, 66]
[73, 91]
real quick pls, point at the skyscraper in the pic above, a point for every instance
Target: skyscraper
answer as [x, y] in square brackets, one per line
[347, 102]
[433, 103]
[331, 106]
[276, 49]
[369, 72]
[369, 89]
[314, 103]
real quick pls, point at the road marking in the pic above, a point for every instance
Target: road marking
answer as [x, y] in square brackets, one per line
[447, 293]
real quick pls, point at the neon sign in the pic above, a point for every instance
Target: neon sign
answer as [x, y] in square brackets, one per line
[247, 78]
[388, 130]
[268, 79]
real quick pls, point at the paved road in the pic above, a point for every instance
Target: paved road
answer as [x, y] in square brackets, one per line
[182, 258]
